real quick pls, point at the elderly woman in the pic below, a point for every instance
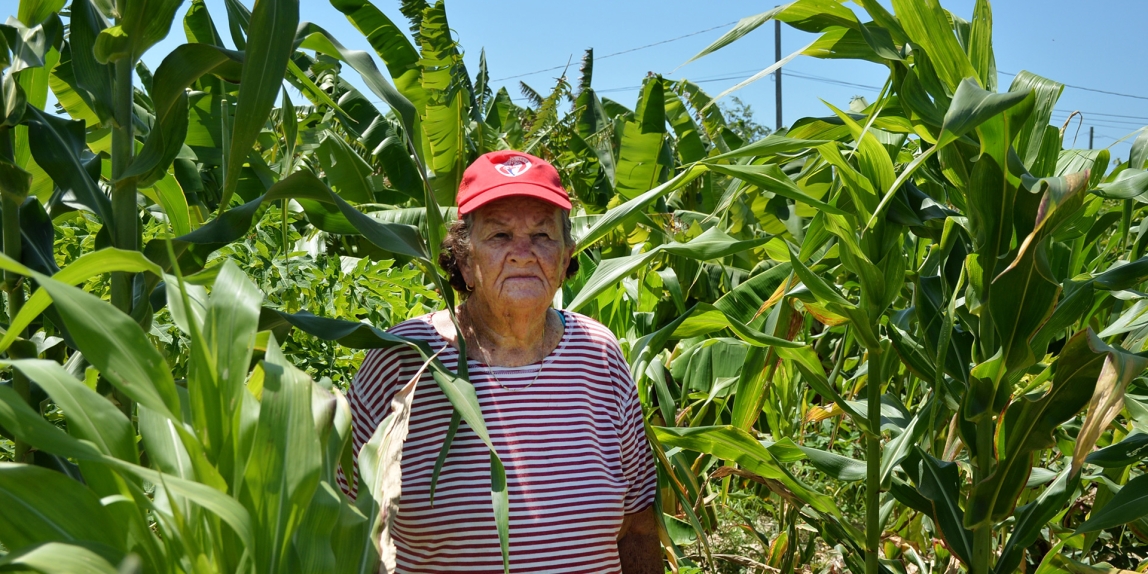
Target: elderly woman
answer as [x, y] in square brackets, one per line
[555, 392]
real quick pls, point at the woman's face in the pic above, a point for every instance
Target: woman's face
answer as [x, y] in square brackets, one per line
[518, 257]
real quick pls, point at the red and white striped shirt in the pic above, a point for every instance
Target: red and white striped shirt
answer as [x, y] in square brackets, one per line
[573, 445]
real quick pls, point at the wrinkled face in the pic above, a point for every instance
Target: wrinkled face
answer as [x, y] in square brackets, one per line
[517, 256]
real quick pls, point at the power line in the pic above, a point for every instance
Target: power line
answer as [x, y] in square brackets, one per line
[834, 81]
[1108, 115]
[1072, 125]
[734, 73]
[738, 76]
[1103, 117]
[825, 80]
[864, 86]
[622, 52]
[1102, 122]
[1119, 123]
[1088, 117]
[1091, 89]
[1064, 112]
[828, 80]
[699, 81]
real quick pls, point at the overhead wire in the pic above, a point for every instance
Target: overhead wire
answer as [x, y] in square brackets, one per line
[798, 75]
[1087, 119]
[1102, 122]
[1113, 115]
[737, 75]
[1100, 116]
[1118, 121]
[627, 51]
[824, 80]
[1105, 119]
[1111, 93]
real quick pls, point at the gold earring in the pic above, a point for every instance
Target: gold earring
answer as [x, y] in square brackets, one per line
[469, 287]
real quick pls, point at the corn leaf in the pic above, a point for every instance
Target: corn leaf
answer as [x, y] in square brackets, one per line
[270, 36]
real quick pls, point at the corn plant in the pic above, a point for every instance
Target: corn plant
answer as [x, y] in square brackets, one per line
[905, 326]
[956, 247]
[235, 469]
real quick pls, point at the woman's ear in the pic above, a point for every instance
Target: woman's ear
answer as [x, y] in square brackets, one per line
[570, 259]
[464, 268]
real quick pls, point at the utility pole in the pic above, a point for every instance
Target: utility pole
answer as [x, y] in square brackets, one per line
[777, 74]
[1090, 133]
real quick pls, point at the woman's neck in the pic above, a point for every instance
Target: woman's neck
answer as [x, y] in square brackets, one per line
[508, 336]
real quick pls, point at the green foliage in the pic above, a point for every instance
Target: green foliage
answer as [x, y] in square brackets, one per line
[317, 278]
[271, 437]
[741, 120]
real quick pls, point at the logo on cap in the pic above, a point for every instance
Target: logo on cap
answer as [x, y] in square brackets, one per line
[514, 166]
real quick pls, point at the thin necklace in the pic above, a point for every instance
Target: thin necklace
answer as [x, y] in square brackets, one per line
[491, 369]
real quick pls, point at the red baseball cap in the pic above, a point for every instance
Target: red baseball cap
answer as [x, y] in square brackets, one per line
[508, 173]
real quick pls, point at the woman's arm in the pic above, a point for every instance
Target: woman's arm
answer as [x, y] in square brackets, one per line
[638, 546]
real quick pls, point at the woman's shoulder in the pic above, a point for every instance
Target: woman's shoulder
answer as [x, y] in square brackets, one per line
[589, 338]
[589, 328]
[419, 328]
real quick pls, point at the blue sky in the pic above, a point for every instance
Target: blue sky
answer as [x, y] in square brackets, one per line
[1097, 45]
